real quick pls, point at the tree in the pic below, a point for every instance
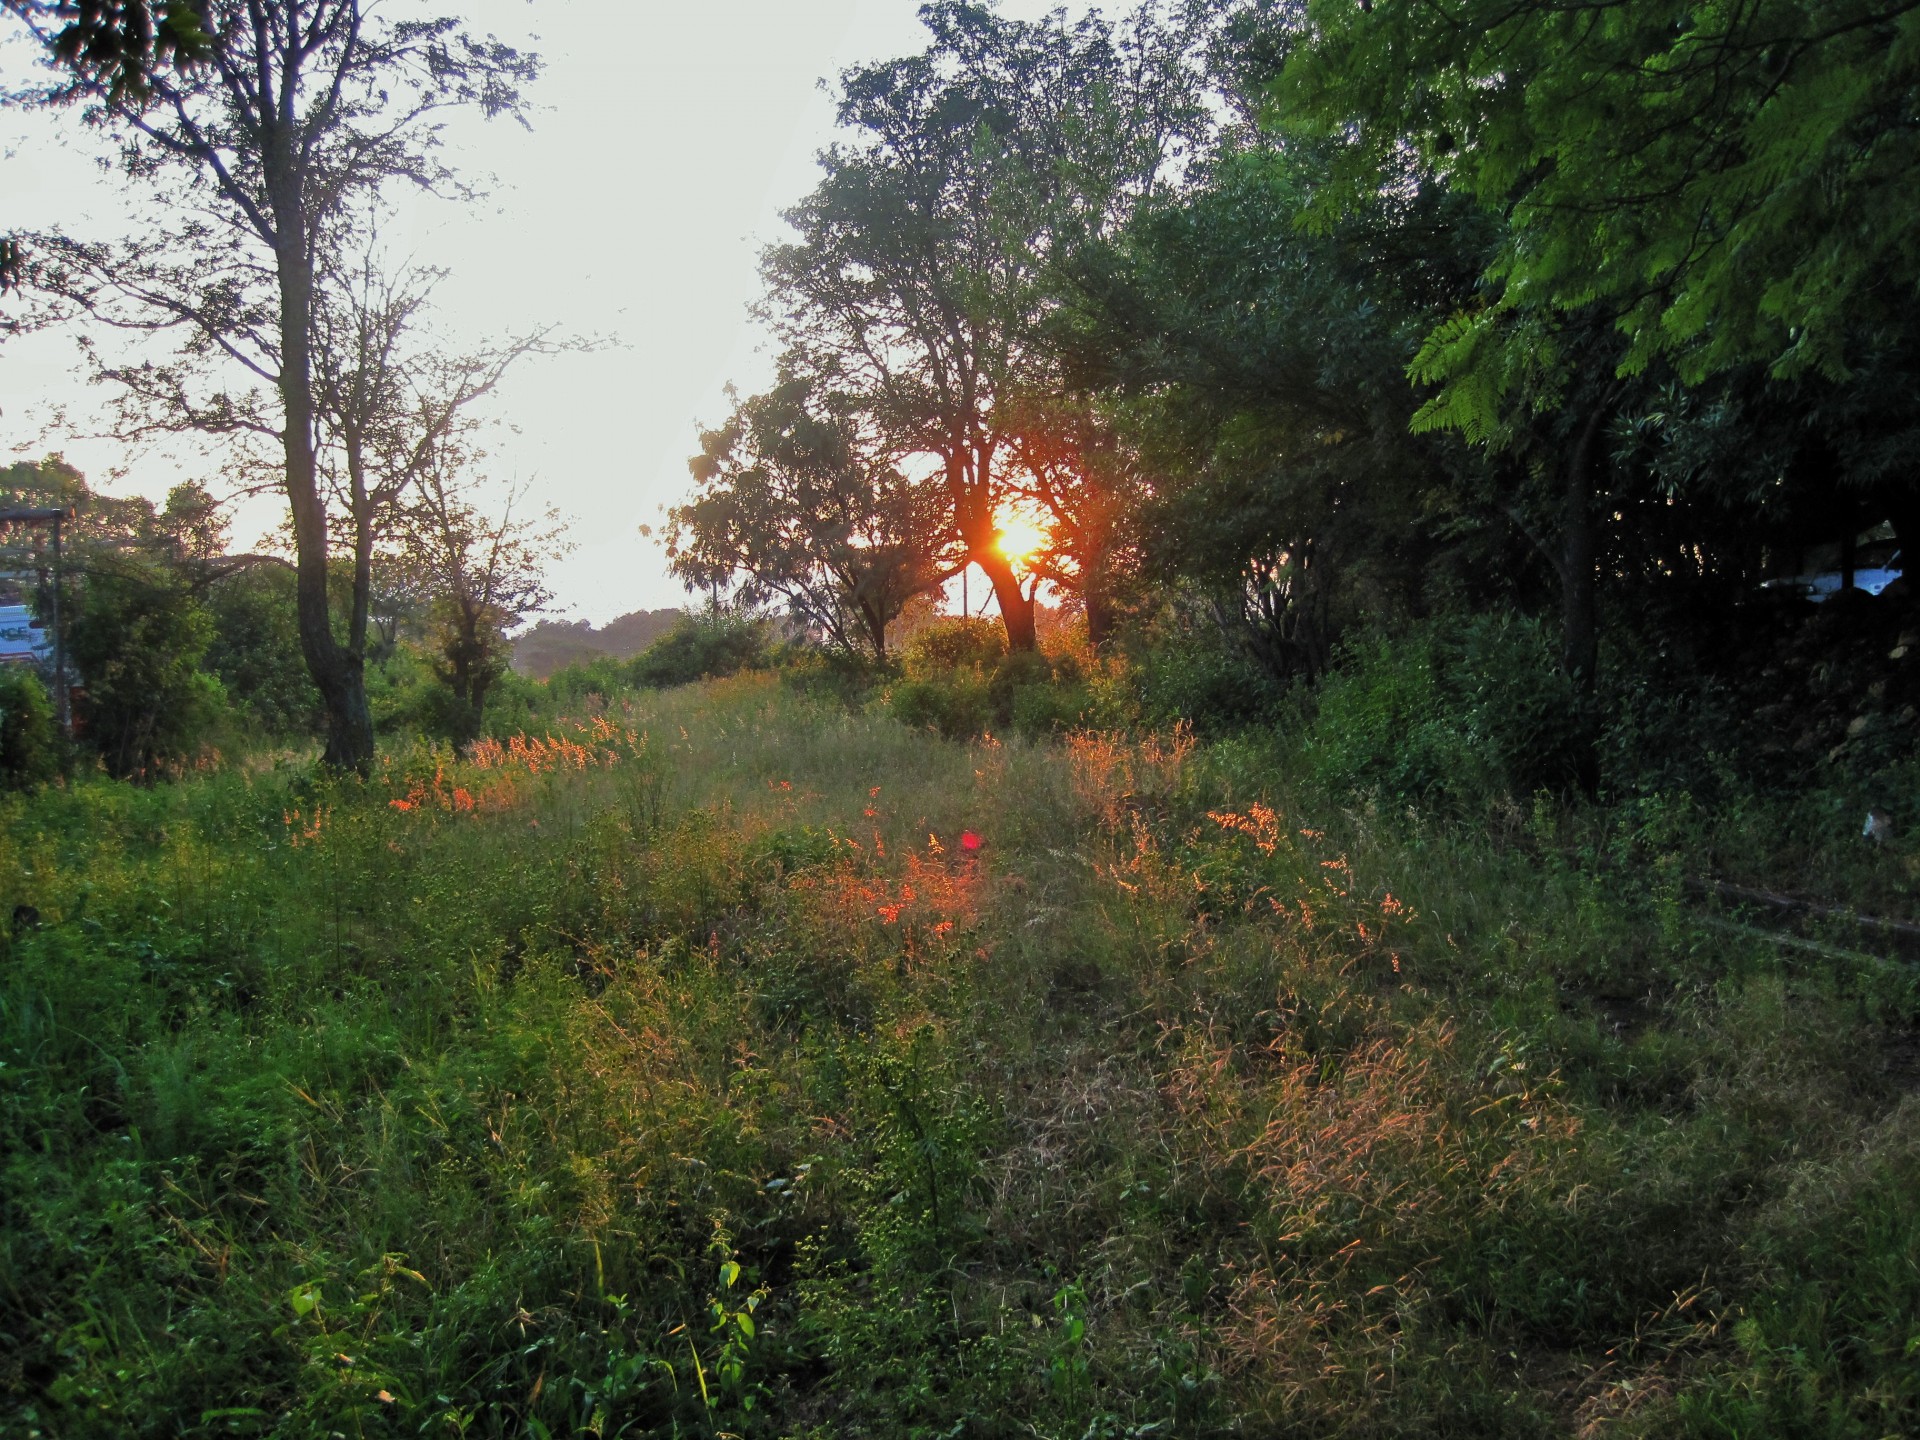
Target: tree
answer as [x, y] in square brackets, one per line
[255, 648]
[29, 740]
[481, 574]
[396, 412]
[137, 641]
[121, 43]
[1681, 187]
[265, 160]
[794, 504]
[1254, 372]
[1727, 183]
[1076, 468]
[918, 278]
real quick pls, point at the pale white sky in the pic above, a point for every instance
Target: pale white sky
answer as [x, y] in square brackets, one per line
[667, 138]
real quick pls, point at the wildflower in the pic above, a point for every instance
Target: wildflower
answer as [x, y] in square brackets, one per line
[401, 804]
[969, 841]
[462, 798]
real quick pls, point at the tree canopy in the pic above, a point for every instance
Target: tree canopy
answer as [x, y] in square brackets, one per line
[1730, 183]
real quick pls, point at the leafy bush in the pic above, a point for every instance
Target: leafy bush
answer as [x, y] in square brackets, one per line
[29, 741]
[255, 650]
[847, 677]
[704, 647]
[955, 643]
[573, 687]
[516, 703]
[956, 703]
[963, 683]
[1453, 709]
[137, 642]
[1196, 676]
[1014, 675]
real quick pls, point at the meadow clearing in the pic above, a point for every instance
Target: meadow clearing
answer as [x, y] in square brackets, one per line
[730, 1062]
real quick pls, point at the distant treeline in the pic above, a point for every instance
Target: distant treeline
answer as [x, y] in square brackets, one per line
[554, 644]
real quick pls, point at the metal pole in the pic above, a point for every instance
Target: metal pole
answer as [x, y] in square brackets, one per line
[52, 517]
[62, 705]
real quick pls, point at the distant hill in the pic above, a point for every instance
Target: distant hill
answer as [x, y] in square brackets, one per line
[553, 644]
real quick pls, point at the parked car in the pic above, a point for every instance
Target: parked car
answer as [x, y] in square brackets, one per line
[1875, 568]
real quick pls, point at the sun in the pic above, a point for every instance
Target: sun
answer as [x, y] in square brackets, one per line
[1020, 539]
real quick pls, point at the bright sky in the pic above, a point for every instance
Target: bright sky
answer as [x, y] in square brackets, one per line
[667, 139]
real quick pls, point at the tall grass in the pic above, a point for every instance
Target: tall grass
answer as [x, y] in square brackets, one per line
[732, 1063]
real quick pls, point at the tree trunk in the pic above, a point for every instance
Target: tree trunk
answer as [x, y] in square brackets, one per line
[967, 484]
[481, 683]
[1101, 620]
[1016, 609]
[338, 673]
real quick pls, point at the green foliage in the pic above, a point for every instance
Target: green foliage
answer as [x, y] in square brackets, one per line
[29, 740]
[1830, 1349]
[845, 676]
[796, 505]
[1071, 700]
[137, 640]
[714, 643]
[695, 1078]
[953, 702]
[918, 277]
[1452, 710]
[955, 642]
[1702, 173]
[961, 681]
[1192, 672]
[255, 651]
[577, 687]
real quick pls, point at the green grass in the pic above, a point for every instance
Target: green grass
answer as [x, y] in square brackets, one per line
[696, 1081]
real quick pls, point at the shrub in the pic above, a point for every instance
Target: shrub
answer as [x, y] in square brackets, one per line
[1195, 675]
[516, 704]
[29, 742]
[1456, 709]
[1014, 675]
[955, 643]
[956, 704]
[137, 642]
[837, 674]
[572, 686]
[255, 650]
[704, 647]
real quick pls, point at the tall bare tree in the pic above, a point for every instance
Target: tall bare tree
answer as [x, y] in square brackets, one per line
[480, 573]
[263, 161]
[393, 408]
